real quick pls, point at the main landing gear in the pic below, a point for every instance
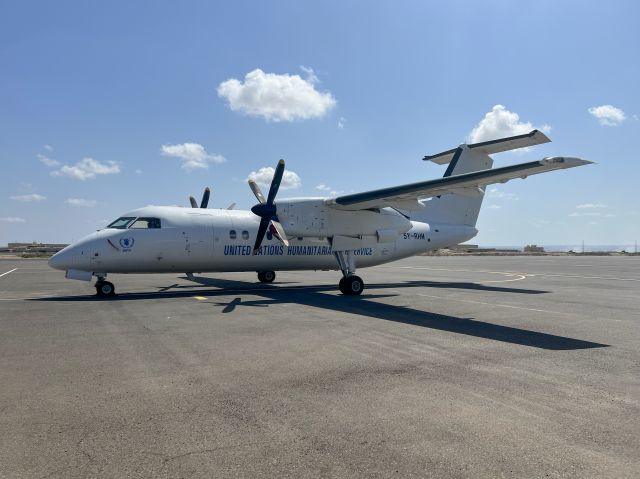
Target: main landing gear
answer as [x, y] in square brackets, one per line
[266, 276]
[350, 284]
[105, 288]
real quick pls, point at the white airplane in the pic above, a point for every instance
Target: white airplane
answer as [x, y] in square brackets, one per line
[345, 232]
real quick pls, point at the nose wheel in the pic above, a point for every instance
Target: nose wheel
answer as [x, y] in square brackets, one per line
[105, 288]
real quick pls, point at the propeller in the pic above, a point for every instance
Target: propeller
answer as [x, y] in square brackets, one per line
[266, 209]
[205, 199]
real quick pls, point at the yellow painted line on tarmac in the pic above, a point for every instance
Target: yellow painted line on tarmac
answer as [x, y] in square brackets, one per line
[200, 298]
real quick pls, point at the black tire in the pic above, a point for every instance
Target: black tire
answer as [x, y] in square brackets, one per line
[343, 290]
[269, 276]
[352, 286]
[266, 276]
[105, 288]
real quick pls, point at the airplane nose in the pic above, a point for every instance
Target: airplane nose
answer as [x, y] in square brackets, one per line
[62, 260]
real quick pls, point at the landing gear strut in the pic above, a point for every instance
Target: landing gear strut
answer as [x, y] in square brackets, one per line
[350, 284]
[266, 276]
[105, 288]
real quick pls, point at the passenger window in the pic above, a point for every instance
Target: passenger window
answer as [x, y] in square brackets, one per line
[232, 234]
[146, 223]
[245, 235]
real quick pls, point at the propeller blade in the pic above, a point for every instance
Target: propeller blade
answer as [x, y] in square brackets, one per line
[205, 198]
[262, 229]
[275, 183]
[194, 203]
[256, 191]
[280, 230]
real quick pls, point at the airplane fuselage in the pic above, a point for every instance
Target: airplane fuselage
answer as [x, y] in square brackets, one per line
[215, 240]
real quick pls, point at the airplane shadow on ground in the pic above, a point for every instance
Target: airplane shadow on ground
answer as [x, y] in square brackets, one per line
[315, 296]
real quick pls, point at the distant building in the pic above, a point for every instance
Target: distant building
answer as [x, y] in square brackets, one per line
[34, 247]
[532, 248]
[463, 248]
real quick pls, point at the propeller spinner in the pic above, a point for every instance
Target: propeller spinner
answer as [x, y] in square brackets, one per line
[266, 209]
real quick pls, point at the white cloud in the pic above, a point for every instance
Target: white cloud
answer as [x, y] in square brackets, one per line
[87, 168]
[192, 155]
[342, 121]
[494, 207]
[50, 162]
[28, 198]
[591, 205]
[328, 189]
[138, 171]
[81, 202]
[495, 193]
[311, 75]
[576, 214]
[49, 148]
[608, 115]
[264, 176]
[277, 97]
[13, 219]
[500, 123]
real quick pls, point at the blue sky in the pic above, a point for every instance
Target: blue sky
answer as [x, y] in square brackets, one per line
[108, 106]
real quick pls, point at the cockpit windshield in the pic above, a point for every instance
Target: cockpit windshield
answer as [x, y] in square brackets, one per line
[132, 222]
[121, 223]
[144, 223]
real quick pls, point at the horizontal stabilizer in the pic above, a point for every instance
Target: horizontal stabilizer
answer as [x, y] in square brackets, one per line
[534, 137]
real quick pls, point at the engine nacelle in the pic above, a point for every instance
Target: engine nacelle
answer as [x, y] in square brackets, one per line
[312, 217]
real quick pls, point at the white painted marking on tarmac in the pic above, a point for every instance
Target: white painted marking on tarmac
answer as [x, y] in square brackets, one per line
[492, 304]
[518, 277]
[10, 271]
[608, 278]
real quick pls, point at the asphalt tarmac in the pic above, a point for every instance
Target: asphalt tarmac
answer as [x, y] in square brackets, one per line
[445, 367]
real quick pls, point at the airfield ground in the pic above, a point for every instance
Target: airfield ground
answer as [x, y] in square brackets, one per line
[445, 367]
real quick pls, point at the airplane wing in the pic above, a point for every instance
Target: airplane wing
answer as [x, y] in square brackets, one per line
[466, 184]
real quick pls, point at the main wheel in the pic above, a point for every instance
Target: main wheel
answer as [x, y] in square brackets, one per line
[341, 286]
[266, 276]
[351, 285]
[105, 288]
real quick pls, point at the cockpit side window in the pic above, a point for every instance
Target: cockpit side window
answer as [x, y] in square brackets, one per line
[121, 223]
[145, 223]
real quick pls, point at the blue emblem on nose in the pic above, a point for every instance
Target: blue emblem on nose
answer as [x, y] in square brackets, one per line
[126, 242]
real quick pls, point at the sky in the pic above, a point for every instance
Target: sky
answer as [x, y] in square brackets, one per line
[110, 106]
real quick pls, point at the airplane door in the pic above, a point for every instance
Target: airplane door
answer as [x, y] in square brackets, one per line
[199, 240]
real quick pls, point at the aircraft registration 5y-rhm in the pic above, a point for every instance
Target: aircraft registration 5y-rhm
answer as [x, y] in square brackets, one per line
[341, 233]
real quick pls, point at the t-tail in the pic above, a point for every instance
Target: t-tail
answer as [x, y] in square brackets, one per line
[463, 206]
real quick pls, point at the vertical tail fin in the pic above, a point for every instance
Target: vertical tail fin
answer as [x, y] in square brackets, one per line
[463, 208]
